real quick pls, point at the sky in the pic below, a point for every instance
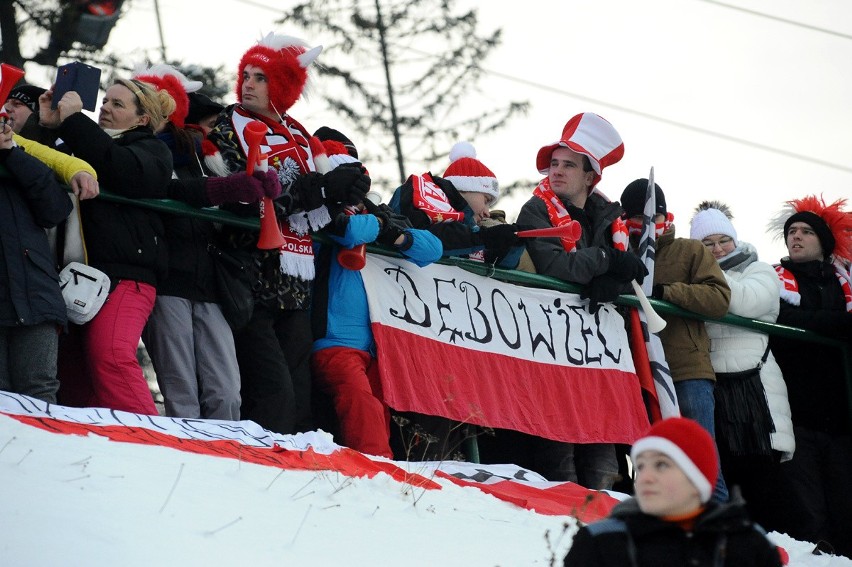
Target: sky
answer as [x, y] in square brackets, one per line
[85, 499]
[743, 102]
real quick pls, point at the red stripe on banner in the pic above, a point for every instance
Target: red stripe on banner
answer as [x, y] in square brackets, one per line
[345, 461]
[572, 404]
[564, 499]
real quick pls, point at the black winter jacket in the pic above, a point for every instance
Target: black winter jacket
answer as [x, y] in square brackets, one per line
[30, 200]
[816, 385]
[124, 241]
[191, 274]
[588, 261]
[723, 535]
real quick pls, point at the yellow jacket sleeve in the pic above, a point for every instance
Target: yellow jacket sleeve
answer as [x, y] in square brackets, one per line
[62, 164]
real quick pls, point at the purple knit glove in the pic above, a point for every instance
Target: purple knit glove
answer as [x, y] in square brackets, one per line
[236, 188]
[271, 184]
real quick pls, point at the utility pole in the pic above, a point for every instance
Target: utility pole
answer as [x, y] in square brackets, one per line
[394, 120]
[160, 29]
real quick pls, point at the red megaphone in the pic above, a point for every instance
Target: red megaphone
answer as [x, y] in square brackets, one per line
[254, 133]
[569, 231]
[270, 237]
[353, 258]
[9, 77]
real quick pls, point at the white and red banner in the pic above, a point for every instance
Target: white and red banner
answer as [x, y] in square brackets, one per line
[246, 441]
[476, 350]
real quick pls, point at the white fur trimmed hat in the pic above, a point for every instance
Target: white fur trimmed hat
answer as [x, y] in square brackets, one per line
[712, 217]
[167, 78]
[337, 153]
[467, 173]
[687, 444]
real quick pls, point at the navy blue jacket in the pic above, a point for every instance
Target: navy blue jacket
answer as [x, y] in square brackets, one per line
[31, 200]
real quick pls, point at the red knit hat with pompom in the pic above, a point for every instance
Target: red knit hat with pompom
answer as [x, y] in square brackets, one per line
[467, 173]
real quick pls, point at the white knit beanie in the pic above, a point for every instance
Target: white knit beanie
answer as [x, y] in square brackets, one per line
[709, 220]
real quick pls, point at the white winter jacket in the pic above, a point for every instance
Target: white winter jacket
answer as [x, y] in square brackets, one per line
[754, 294]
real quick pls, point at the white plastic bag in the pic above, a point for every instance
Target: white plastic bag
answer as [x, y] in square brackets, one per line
[84, 289]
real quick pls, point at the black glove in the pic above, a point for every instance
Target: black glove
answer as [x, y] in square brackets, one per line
[658, 291]
[625, 266]
[346, 184]
[498, 239]
[391, 224]
[602, 289]
[309, 189]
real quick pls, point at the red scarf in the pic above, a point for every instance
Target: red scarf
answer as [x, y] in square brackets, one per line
[431, 199]
[790, 287]
[556, 211]
[637, 227]
[620, 238]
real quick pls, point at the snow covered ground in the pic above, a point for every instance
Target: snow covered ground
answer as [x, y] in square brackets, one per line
[87, 500]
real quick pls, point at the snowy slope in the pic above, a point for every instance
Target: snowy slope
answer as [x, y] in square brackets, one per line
[86, 500]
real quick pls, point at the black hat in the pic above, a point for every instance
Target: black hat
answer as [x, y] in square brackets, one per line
[325, 133]
[27, 95]
[201, 106]
[633, 198]
[819, 226]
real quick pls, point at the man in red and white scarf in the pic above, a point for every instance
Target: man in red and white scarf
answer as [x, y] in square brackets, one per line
[573, 166]
[271, 77]
[816, 294]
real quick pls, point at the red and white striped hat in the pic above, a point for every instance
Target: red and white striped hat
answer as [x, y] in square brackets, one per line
[590, 135]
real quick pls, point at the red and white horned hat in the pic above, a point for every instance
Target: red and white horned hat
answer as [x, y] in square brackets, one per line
[831, 223]
[167, 78]
[285, 61]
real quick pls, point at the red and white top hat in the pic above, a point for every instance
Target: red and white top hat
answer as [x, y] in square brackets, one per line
[590, 135]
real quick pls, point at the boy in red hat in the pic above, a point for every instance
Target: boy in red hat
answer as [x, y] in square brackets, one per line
[671, 520]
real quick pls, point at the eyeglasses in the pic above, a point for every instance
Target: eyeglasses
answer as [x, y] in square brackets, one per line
[722, 242]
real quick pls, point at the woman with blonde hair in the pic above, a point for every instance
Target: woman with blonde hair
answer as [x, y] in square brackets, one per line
[124, 241]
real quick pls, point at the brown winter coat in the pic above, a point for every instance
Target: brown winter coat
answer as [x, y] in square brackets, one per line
[691, 279]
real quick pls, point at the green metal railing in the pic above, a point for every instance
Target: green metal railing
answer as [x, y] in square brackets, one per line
[516, 277]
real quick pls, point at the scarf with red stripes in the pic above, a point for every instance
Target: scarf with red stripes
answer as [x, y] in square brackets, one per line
[556, 211]
[790, 287]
